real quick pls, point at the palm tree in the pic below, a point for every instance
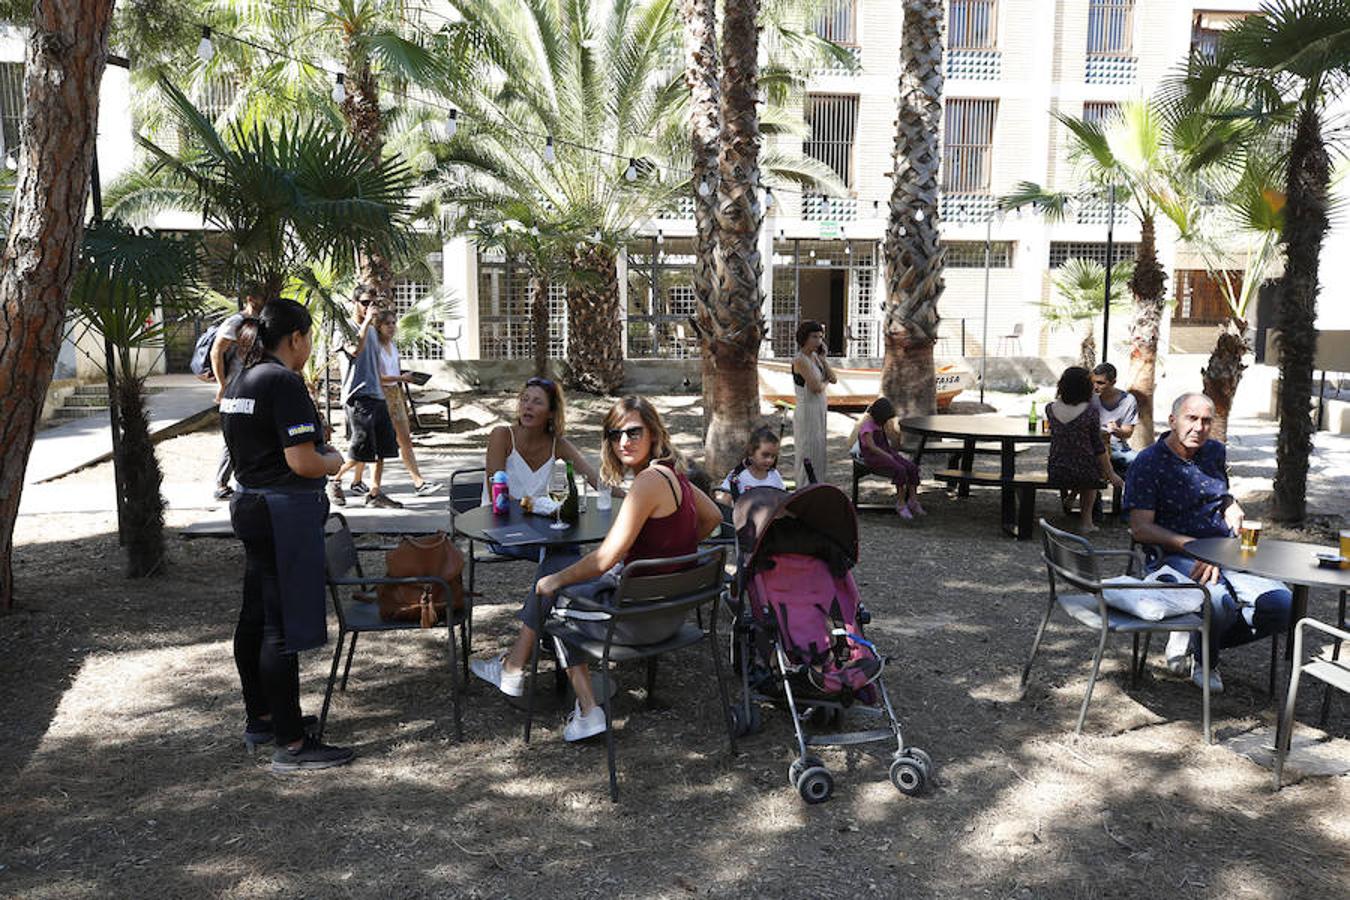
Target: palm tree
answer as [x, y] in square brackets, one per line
[283, 195]
[1081, 285]
[1286, 62]
[914, 258]
[129, 284]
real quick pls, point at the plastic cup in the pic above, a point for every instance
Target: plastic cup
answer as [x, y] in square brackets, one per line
[1249, 536]
[603, 498]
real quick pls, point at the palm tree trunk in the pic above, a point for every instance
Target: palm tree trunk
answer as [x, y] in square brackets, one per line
[1305, 225]
[594, 322]
[737, 314]
[1087, 348]
[141, 479]
[1149, 287]
[705, 129]
[539, 322]
[67, 50]
[914, 258]
[365, 122]
[1223, 372]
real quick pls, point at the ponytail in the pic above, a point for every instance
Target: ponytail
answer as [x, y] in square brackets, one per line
[278, 320]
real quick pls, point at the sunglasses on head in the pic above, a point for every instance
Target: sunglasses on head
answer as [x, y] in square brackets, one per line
[541, 383]
[633, 433]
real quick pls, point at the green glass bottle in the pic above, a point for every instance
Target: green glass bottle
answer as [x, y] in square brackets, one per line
[570, 509]
[1033, 420]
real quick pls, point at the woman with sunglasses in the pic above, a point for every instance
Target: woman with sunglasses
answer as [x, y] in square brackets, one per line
[527, 449]
[663, 516]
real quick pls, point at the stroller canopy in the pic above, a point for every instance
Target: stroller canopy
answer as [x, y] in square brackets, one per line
[823, 509]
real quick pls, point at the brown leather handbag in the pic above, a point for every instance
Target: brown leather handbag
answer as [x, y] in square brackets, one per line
[433, 554]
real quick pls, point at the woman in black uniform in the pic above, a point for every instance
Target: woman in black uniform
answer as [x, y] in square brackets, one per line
[275, 438]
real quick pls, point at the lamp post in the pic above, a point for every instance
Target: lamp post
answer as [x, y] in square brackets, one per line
[1110, 253]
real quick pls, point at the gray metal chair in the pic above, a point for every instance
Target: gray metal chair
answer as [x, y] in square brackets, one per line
[344, 570]
[646, 617]
[1073, 560]
[1330, 670]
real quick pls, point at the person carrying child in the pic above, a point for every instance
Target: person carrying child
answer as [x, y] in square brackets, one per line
[1078, 460]
[759, 468]
[875, 451]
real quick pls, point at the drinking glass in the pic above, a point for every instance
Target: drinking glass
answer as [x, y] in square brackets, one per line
[557, 489]
[1345, 548]
[1249, 536]
[604, 495]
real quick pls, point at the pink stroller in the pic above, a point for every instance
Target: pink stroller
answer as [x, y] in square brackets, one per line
[798, 635]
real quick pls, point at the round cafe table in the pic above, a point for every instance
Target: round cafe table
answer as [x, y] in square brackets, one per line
[1008, 431]
[590, 527]
[1292, 562]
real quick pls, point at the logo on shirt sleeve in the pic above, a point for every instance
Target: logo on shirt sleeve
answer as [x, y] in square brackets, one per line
[295, 430]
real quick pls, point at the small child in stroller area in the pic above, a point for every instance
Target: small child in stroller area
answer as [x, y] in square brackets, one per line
[873, 449]
[759, 468]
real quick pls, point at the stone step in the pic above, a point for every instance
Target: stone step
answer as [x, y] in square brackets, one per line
[101, 390]
[79, 412]
[78, 400]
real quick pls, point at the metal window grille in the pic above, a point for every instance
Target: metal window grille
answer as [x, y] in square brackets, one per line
[839, 23]
[833, 120]
[1110, 27]
[407, 294]
[967, 154]
[970, 254]
[1062, 251]
[661, 299]
[504, 327]
[11, 104]
[1097, 112]
[972, 24]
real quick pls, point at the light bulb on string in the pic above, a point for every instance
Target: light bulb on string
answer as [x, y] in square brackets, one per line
[768, 198]
[473, 224]
[631, 172]
[206, 51]
[660, 236]
[339, 90]
[550, 154]
[11, 162]
[918, 215]
[534, 231]
[595, 236]
[704, 189]
[452, 123]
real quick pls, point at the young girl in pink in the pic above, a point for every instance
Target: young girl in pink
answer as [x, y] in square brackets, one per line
[874, 448]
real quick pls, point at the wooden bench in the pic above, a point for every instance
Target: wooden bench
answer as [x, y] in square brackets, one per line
[953, 450]
[1024, 486]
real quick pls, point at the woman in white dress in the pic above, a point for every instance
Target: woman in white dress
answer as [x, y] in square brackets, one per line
[527, 449]
[811, 374]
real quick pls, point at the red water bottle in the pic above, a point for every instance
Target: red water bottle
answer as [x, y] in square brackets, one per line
[501, 494]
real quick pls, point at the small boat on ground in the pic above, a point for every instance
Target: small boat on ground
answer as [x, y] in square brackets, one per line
[857, 387]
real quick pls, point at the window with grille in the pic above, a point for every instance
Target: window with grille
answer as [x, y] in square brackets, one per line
[1200, 296]
[839, 23]
[833, 121]
[1209, 28]
[1110, 27]
[661, 299]
[408, 293]
[11, 104]
[1063, 251]
[972, 24]
[970, 254]
[967, 152]
[505, 330]
[1097, 112]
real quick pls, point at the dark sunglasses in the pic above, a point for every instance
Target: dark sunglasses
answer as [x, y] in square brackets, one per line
[613, 434]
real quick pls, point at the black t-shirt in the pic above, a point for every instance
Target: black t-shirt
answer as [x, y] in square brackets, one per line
[264, 411]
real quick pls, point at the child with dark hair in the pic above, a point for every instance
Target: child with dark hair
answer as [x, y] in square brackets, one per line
[759, 468]
[1078, 460]
[875, 452]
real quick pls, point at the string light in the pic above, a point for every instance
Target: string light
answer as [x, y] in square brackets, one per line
[550, 154]
[704, 189]
[206, 51]
[660, 237]
[918, 215]
[452, 123]
[768, 198]
[631, 172]
[11, 162]
[595, 236]
[534, 231]
[339, 90]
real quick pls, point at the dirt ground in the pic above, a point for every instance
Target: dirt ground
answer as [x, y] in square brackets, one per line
[123, 773]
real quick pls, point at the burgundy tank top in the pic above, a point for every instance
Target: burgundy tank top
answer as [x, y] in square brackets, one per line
[672, 535]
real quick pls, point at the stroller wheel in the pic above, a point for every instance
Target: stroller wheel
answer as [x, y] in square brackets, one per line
[922, 758]
[908, 776]
[816, 785]
[801, 765]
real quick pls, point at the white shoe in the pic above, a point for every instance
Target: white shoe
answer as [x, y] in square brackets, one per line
[1215, 682]
[580, 727]
[512, 684]
[1179, 653]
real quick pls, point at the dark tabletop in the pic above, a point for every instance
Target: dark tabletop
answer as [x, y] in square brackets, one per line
[591, 527]
[1282, 560]
[983, 428]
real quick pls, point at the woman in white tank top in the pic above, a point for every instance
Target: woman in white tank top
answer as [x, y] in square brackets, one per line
[527, 450]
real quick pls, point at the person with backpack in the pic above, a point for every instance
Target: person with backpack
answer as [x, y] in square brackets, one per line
[228, 358]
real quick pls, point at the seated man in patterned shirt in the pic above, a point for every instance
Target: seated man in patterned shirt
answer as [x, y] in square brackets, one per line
[1177, 491]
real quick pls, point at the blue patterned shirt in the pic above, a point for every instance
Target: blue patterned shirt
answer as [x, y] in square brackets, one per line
[1187, 496]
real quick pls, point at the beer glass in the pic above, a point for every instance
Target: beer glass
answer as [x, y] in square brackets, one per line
[1249, 536]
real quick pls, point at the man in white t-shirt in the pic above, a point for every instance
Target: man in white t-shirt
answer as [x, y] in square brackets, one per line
[227, 339]
[1119, 413]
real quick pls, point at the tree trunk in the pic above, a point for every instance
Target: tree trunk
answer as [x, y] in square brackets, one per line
[914, 258]
[1223, 372]
[738, 311]
[594, 322]
[141, 478]
[705, 129]
[1087, 349]
[67, 49]
[539, 323]
[365, 122]
[1305, 225]
[1149, 287]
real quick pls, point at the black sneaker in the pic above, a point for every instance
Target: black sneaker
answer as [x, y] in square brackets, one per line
[359, 487]
[223, 492]
[312, 755]
[382, 501]
[259, 731]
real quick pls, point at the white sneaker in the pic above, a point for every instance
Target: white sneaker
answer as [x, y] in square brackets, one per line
[1215, 682]
[512, 684]
[1179, 653]
[580, 727]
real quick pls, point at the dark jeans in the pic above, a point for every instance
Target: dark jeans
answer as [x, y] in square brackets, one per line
[269, 676]
[536, 609]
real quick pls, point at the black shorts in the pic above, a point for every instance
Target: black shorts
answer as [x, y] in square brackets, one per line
[371, 430]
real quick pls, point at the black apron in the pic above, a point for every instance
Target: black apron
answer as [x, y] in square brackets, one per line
[298, 516]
